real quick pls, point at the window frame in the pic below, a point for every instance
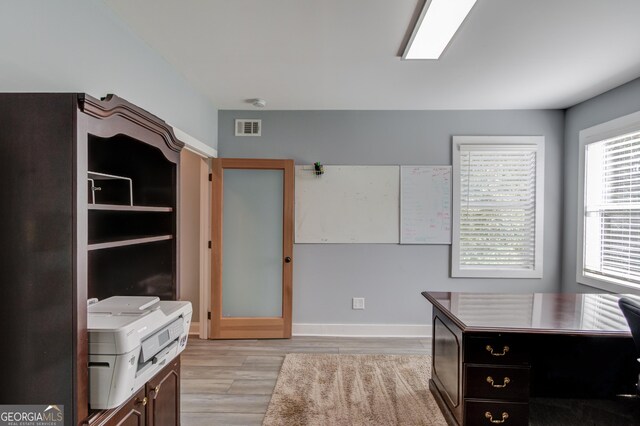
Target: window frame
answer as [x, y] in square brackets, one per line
[610, 129]
[538, 143]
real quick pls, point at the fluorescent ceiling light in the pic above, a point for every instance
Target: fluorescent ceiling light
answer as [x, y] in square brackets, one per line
[439, 21]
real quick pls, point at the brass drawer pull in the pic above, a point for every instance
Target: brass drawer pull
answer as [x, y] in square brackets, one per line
[154, 392]
[489, 416]
[505, 349]
[503, 385]
[142, 401]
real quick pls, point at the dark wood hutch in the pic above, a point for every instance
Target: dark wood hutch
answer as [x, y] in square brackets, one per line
[88, 208]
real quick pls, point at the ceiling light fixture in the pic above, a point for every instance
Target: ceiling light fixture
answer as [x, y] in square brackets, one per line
[438, 22]
[258, 103]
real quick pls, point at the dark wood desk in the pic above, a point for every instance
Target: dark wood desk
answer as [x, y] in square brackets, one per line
[496, 355]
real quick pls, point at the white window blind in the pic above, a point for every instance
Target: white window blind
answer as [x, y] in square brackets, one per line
[498, 213]
[612, 209]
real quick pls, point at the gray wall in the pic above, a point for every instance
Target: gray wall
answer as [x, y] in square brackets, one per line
[81, 46]
[391, 277]
[615, 103]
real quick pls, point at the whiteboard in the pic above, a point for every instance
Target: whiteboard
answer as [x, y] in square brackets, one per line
[425, 205]
[347, 204]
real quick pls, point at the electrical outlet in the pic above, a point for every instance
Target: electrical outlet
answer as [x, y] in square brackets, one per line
[358, 303]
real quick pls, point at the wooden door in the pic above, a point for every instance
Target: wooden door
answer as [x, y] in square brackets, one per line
[252, 248]
[163, 392]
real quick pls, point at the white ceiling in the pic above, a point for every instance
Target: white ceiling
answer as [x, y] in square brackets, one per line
[343, 54]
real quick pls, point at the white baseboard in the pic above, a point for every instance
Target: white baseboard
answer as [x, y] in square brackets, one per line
[363, 330]
[194, 328]
[351, 330]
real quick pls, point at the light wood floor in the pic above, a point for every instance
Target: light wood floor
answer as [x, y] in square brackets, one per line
[229, 382]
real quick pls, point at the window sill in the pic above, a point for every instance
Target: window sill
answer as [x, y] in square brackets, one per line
[494, 273]
[608, 286]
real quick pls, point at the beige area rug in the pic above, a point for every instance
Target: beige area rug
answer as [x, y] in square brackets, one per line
[337, 390]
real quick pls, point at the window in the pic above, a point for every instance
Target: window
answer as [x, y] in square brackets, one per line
[497, 206]
[609, 219]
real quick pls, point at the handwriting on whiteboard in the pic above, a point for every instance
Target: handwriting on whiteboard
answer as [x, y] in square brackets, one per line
[425, 205]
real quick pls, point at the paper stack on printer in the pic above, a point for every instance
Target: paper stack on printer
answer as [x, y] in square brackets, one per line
[130, 339]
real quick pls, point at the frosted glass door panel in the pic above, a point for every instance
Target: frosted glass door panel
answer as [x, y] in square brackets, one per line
[252, 243]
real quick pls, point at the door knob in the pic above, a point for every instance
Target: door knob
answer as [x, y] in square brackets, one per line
[287, 259]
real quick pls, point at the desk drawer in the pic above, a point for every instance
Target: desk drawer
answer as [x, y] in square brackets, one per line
[496, 382]
[504, 349]
[479, 412]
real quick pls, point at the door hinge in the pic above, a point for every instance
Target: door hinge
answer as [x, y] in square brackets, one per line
[208, 315]
[209, 244]
[210, 177]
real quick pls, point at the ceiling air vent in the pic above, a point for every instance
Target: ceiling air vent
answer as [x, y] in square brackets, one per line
[248, 127]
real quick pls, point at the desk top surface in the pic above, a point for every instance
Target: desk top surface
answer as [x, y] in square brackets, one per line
[570, 313]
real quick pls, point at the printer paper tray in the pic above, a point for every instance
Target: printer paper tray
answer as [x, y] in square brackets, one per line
[158, 361]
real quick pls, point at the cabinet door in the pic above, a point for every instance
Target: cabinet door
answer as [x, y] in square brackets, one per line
[164, 396]
[131, 413]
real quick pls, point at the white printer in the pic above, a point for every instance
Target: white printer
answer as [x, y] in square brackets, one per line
[130, 339]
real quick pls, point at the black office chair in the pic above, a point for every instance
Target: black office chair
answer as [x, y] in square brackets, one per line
[631, 311]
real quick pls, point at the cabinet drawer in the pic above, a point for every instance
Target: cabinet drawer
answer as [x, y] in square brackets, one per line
[504, 349]
[479, 412]
[496, 382]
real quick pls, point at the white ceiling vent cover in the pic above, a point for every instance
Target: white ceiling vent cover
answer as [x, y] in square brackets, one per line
[248, 127]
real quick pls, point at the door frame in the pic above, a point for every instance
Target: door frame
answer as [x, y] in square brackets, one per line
[205, 254]
[200, 325]
[250, 327]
